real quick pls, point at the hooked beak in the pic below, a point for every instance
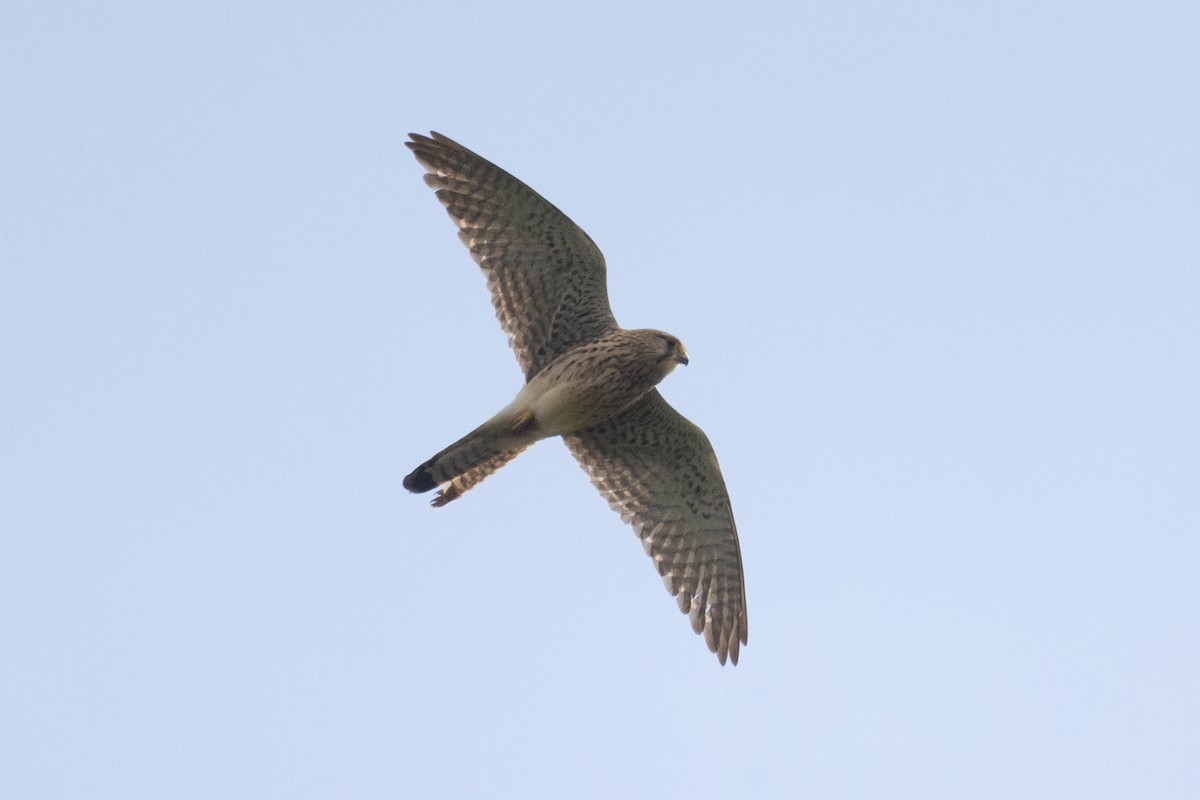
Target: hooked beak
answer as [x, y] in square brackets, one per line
[681, 355]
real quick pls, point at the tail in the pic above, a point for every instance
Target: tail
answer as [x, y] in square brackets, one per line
[469, 460]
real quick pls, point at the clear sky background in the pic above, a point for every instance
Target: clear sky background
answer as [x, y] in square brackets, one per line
[937, 266]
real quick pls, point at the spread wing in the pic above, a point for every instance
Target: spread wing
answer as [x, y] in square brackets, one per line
[546, 275]
[659, 472]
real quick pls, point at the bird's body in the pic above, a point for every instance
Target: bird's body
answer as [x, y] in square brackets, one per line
[591, 382]
[599, 379]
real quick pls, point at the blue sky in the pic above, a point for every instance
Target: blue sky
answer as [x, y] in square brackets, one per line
[936, 269]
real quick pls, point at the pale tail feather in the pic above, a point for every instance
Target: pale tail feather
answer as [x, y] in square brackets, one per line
[465, 463]
[474, 475]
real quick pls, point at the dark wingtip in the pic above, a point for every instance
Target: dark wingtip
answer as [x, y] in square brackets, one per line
[419, 141]
[420, 480]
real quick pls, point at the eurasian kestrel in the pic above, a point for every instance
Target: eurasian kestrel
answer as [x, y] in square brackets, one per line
[591, 382]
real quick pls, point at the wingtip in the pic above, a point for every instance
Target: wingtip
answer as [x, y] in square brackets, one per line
[420, 140]
[433, 137]
[728, 652]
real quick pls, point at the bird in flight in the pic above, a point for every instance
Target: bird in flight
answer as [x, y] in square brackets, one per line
[591, 382]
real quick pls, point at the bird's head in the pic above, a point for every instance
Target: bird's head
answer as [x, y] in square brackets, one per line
[672, 351]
